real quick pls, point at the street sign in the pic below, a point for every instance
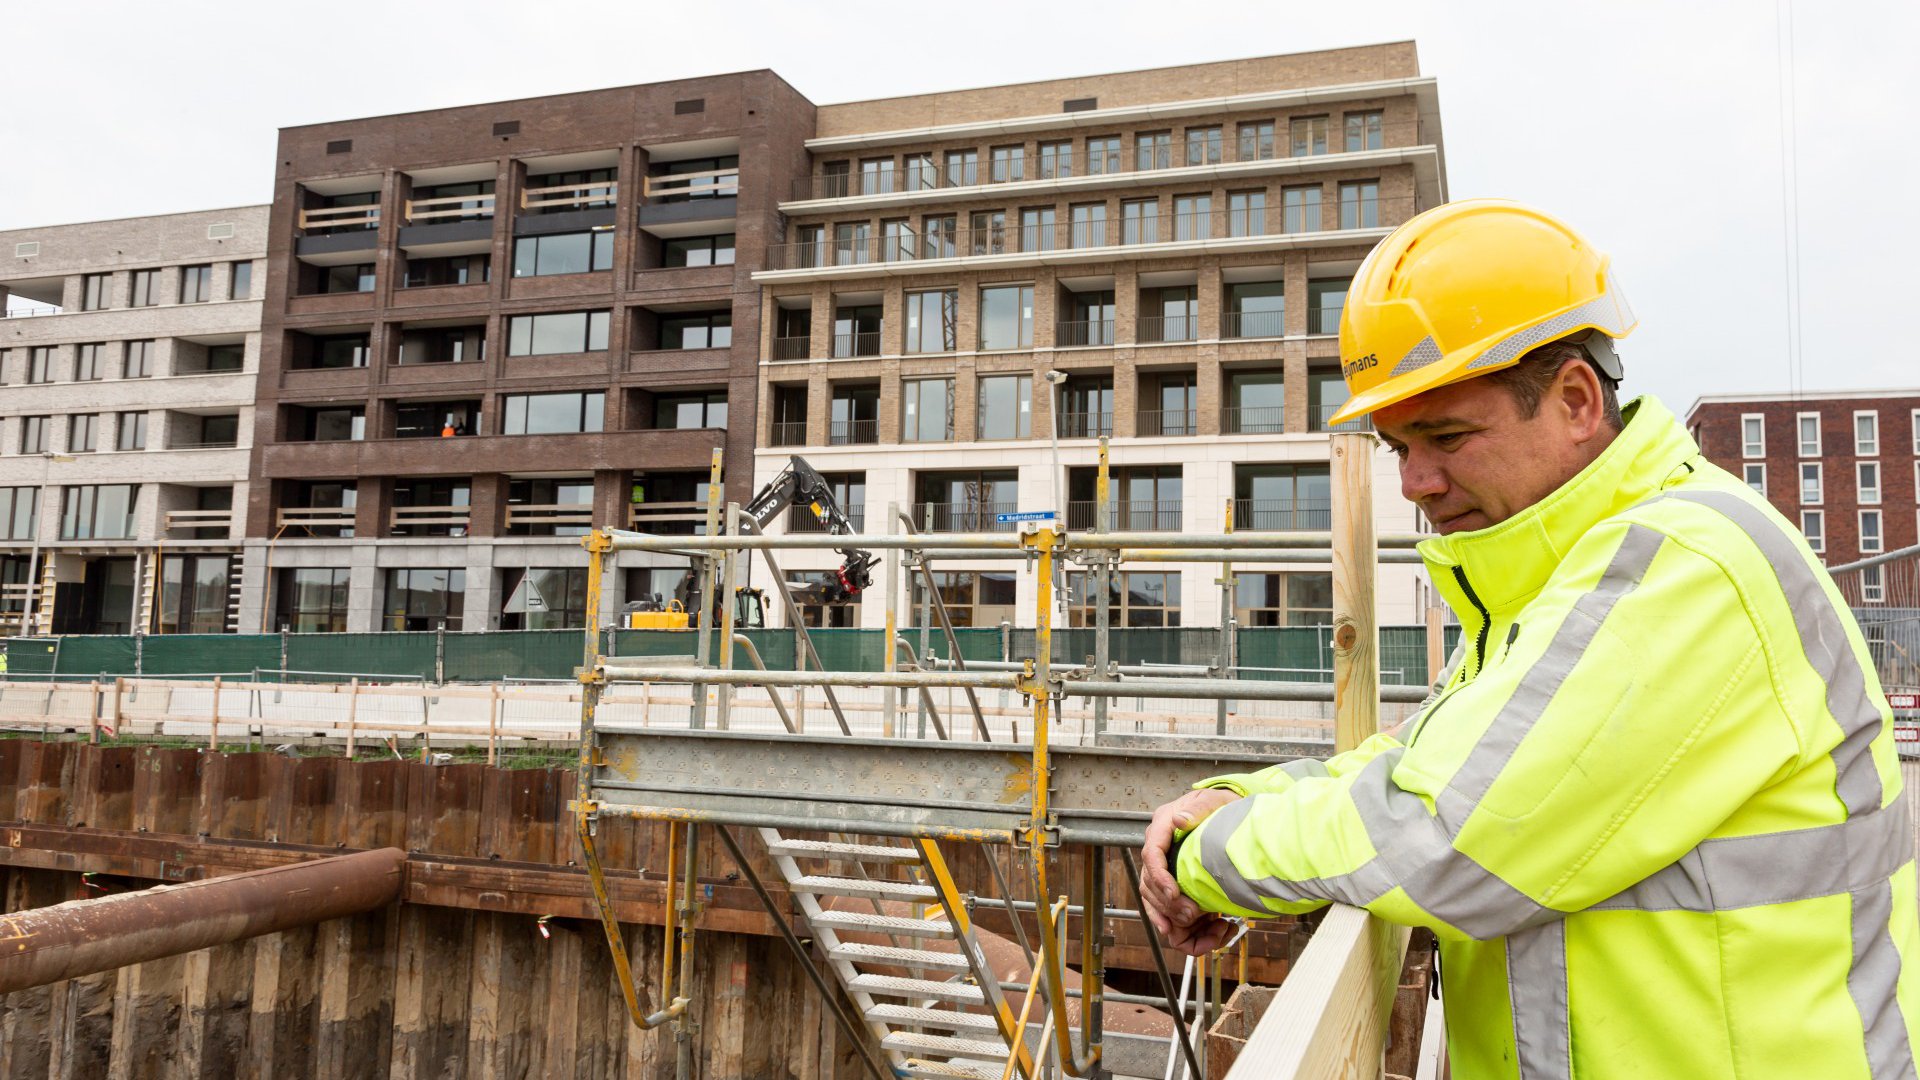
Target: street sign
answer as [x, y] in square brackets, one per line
[1025, 515]
[526, 598]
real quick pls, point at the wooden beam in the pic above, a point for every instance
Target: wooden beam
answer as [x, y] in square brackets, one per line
[1356, 628]
[1329, 1019]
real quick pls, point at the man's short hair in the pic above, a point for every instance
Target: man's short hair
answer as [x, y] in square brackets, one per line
[1528, 379]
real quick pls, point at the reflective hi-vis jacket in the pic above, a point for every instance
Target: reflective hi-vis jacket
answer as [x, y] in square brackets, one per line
[1656, 817]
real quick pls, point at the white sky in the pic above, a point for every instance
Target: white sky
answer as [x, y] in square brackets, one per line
[1653, 126]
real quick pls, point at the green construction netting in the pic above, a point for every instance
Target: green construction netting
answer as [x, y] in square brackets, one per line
[310, 655]
[31, 656]
[208, 654]
[512, 654]
[91, 655]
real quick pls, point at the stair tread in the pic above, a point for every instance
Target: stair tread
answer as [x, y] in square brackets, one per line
[826, 849]
[916, 1016]
[917, 1043]
[890, 954]
[882, 924]
[816, 883]
[897, 986]
[964, 1070]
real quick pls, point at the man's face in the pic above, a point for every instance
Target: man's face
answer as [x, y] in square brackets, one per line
[1469, 460]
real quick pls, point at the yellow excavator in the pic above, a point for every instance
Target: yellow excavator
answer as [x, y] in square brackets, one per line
[799, 484]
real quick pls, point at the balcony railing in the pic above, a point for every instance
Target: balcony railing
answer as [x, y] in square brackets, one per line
[570, 196]
[1136, 516]
[800, 519]
[1282, 515]
[791, 348]
[789, 433]
[452, 518]
[1256, 324]
[1085, 425]
[1168, 422]
[1166, 328]
[1323, 320]
[559, 515]
[329, 219]
[711, 184]
[450, 208]
[668, 518]
[964, 517]
[1257, 420]
[1320, 418]
[205, 519]
[315, 518]
[1008, 237]
[864, 343]
[1084, 332]
[214, 444]
[854, 432]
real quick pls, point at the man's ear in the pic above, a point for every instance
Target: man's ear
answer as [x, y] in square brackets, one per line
[1576, 390]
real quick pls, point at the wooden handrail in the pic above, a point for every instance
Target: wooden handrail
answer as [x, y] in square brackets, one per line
[316, 515]
[682, 183]
[365, 214]
[414, 213]
[429, 515]
[611, 189]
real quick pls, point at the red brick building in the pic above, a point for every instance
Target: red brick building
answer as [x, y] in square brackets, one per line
[1844, 464]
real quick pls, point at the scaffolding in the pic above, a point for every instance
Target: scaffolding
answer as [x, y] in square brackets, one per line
[1037, 799]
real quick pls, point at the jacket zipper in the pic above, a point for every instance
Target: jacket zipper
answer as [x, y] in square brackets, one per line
[1486, 620]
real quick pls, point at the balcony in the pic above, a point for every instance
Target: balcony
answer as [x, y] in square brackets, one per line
[564, 197]
[448, 208]
[1167, 328]
[426, 519]
[709, 184]
[1083, 332]
[337, 519]
[1255, 324]
[668, 518]
[1282, 515]
[1085, 425]
[557, 515]
[791, 348]
[863, 343]
[1167, 422]
[1146, 516]
[800, 519]
[964, 517]
[1320, 418]
[854, 432]
[789, 433]
[1257, 420]
[322, 220]
[1323, 320]
[178, 520]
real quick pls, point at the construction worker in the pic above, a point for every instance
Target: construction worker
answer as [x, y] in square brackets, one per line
[1655, 819]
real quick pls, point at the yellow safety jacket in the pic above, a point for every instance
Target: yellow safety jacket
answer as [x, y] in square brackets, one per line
[1656, 817]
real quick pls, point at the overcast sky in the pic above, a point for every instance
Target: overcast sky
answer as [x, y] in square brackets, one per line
[1655, 127]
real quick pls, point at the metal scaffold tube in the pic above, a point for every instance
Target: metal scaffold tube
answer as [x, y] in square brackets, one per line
[84, 937]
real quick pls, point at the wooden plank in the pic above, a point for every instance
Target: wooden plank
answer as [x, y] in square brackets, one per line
[1329, 1018]
[563, 1001]
[1431, 1064]
[1356, 629]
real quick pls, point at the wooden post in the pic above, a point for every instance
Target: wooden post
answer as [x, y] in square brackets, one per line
[493, 723]
[93, 713]
[1356, 632]
[119, 686]
[1436, 639]
[353, 709]
[213, 727]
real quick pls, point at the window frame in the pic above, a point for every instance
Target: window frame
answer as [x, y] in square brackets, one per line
[1747, 474]
[96, 292]
[1818, 473]
[1753, 449]
[1373, 124]
[910, 407]
[1055, 159]
[83, 433]
[600, 242]
[1023, 300]
[1817, 538]
[90, 361]
[913, 309]
[73, 504]
[1862, 448]
[39, 424]
[131, 428]
[592, 420]
[1022, 405]
[143, 288]
[603, 316]
[1879, 519]
[1861, 488]
[1800, 433]
[240, 279]
[1258, 133]
[198, 278]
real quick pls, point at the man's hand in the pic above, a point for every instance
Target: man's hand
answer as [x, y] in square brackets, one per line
[1177, 918]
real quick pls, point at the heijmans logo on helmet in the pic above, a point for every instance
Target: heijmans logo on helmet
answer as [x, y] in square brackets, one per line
[1359, 364]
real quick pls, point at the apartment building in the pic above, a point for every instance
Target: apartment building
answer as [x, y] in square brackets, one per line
[488, 329]
[1844, 464]
[127, 362]
[973, 285]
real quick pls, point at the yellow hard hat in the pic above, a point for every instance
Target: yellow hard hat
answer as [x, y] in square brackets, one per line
[1467, 288]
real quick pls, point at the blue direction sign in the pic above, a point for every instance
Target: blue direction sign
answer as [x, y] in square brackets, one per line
[1025, 515]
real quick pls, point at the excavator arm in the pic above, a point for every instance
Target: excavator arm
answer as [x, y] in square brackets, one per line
[800, 484]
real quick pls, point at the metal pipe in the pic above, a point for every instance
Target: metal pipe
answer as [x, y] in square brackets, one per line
[927, 708]
[1397, 557]
[909, 679]
[1239, 540]
[799, 626]
[1241, 690]
[779, 706]
[986, 543]
[84, 937]
[935, 663]
[939, 605]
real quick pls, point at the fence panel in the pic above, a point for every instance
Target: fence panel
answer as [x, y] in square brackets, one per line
[512, 654]
[208, 654]
[362, 654]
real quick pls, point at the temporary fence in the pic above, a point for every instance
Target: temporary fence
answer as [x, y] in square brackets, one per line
[1884, 593]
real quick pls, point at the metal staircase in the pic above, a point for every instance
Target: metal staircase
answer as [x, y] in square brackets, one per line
[947, 1018]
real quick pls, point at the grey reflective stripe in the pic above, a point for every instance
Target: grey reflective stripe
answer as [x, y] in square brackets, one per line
[1607, 313]
[1419, 356]
[1824, 638]
[1305, 768]
[1537, 989]
[1733, 872]
[1536, 689]
[1873, 981]
[1412, 852]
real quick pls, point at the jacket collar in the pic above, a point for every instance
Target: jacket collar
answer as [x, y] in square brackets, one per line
[1508, 563]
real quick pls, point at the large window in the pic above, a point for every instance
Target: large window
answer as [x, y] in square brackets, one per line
[1256, 309]
[1300, 209]
[1871, 537]
[194, 592]
[1866, 434]
[40, 364]
[352, 278]
[566, 332]
[932, 321]
[1282, 498]
[1056, 160]
[435, 419]
[330, 495]
[854, 416]
[1256, 403]
[95, 292]
[704, 409]
[431, 507]
[1103, 154]
[876, 176]
[240, 280]
[856, 330]
[19, 513]
[83, 433]
[1192, 217]
[705, 330]
[1256, 140]
[1009, 164]
[1153, 150]
[1247, 213]
[341, 423]
[1005, 407]
[139, 363]
[563, 253]
[698, 251]
[1170, 313]
[313, 599]
[1146, 498]
[424, 599]
[1134, 598]
[1866, 479]
[1811, 488]
[1203, 146]
[1363, 131]
[1006, 317]
[988, 232]
[722, 181]
[963, 168]
[145, 288]
[1292, 599]
[34, 438]
[132, 431]
[1169, 404]
[1089, 225]
[99, 512]
[447, 270]
[940, 236]
[1140, 221]
[554, 414]
[543, 598]
[1360, 205]
[550, 506]
[1085, 409]
[196, 284]
[91, 363]
[1309, 135]
[1326, 298]
[590, 189]
[1037, 229]
[443, 345]
[927, 410]
[338, 351]
[1808, 426]
[1753, 435]
[972, 598]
